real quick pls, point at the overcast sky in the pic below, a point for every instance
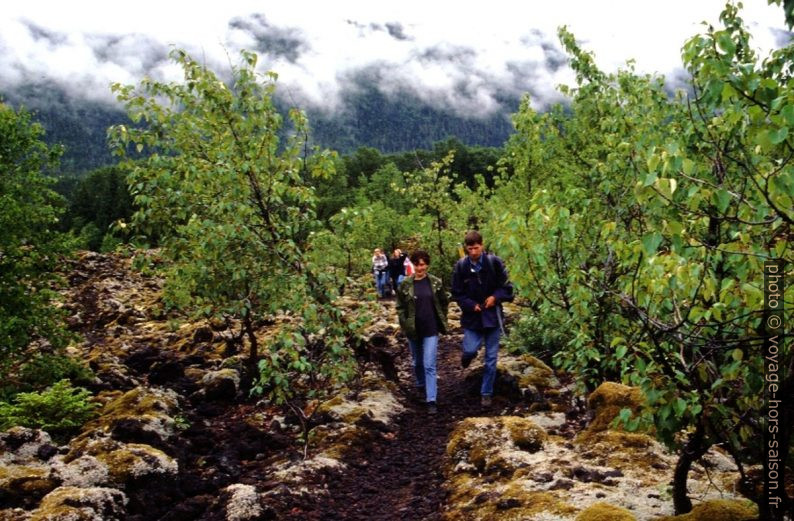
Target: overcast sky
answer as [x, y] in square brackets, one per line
[461, 56]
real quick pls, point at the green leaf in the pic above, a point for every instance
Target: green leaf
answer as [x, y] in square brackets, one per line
[725, 42]
[688, 167]
[680, 406]
[788, 114]
[653, 163]
[778, 136]
[721, 199]
[650, 243]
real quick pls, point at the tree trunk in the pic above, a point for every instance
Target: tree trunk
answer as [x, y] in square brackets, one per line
[692, 451]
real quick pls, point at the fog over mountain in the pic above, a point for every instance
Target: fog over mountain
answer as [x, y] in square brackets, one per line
[367, 74]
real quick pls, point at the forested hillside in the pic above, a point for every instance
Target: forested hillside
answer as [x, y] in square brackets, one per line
[367, 118]
[647, 237]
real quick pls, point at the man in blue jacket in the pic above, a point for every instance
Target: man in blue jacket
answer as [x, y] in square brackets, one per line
[479, 285]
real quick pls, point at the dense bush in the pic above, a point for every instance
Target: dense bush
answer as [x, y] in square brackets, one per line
[60, 409]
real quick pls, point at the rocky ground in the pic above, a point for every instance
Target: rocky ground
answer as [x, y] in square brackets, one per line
[179, 438]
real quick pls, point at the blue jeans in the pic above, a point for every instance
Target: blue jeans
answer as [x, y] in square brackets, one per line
[380, 282]
[472, 340]
[423, 353]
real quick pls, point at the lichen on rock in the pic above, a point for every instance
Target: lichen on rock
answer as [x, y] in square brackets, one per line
[493, 445]
[381, 406]
[81, 504]
[150, 410]
[243, 505]
[85, 471]
[125, 461]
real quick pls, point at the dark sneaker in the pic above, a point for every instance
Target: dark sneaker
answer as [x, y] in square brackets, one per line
[466, 358]
[432, 408]
[486, 400]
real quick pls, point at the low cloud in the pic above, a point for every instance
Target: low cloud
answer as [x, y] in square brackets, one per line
[468, 67]
[276, 42]
[396, 30]
[39, 34]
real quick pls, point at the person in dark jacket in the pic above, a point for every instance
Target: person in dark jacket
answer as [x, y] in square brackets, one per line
[479, 285]
[397, 268]
[422, 310]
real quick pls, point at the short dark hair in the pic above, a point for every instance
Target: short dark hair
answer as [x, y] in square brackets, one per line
[472, 237]
[420, 255]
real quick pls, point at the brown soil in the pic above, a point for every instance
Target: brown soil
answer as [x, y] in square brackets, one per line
[397, 475]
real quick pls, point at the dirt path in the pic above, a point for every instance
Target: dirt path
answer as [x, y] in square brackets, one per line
[400, 476]
[397, 475]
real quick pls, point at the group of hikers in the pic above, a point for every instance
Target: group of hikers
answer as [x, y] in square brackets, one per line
[389, 272]
[480, 284]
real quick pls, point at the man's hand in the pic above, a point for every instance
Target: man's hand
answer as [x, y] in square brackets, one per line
[477, 308]
[490, 302]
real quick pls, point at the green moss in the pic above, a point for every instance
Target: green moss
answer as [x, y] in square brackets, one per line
[25, 480]
[336, 444]
[718, 510]
[525, 434]
[81, 504]
[620, 450]
[605, 512]
[529, 372]
[607, 401]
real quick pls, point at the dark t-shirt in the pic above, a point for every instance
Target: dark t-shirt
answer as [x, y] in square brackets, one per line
[425, 313]
[396, 266]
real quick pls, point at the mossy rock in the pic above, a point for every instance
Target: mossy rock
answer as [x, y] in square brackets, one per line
[467, 435]
[337, 443]
[81, 504]
[146, 414]
[536, 373]
[605, 512]
[607, 401]
[518, 377]
[524, 433]
[378, 405]
[492, 445]
[137, 461]
[25, 484]
[718, 510]
[126, 461]
[469, 501]
[142, 401]
[618, 449]
[14, 514]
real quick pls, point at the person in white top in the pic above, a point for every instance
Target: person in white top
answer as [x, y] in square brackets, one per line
[379, 269]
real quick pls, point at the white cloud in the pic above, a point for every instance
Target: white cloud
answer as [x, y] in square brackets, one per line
[458, 55]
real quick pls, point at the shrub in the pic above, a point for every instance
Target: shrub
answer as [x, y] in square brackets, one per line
[537, 334]
[60, 409]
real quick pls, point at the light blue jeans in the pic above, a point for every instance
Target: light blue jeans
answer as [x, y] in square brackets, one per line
[424, 352]
[380, 281]
[472, 340]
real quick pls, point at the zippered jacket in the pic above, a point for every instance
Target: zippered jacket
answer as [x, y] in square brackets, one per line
[406, 305]
[470, 288]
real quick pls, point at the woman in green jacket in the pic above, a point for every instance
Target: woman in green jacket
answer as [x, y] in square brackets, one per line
[422, 309]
